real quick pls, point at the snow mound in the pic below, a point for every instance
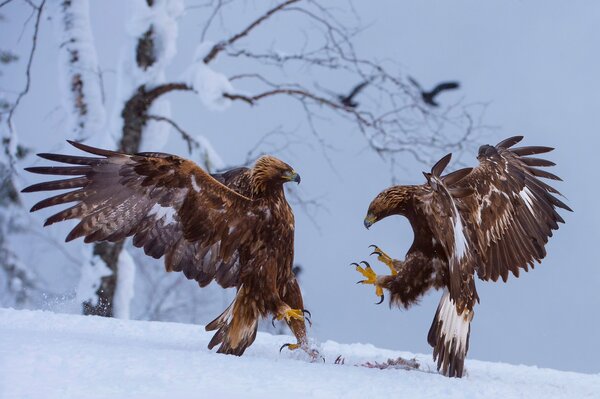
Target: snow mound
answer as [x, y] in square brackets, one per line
[50, 355]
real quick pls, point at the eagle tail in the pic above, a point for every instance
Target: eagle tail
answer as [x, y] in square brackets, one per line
[236, 330]
[449, 337]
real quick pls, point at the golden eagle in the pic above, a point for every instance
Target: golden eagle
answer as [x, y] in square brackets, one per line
[490, 220]
[236, 228]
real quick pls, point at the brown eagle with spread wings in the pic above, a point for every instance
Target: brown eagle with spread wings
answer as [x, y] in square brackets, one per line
[235, 228]
[489, 220]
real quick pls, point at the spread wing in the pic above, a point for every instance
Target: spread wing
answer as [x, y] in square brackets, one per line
[438, 205]
[443, 87]
[513, 212]
[357, 89]
[169, 205]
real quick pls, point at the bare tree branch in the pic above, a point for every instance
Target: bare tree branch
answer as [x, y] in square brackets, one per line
[217, 48]
[36, 29]
[189, 140]
[5, 2]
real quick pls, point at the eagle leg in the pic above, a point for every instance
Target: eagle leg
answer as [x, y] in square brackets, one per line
[384, 258]
[288, 314]
[313, 353]
[370, 278]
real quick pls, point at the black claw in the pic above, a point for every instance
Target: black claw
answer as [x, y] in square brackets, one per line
[360, 282]
[354, 264]
[366, 263]
[381, 298]
[283, 346]
[376, 253]
[304, 311]
[273, 322]
[372, 246]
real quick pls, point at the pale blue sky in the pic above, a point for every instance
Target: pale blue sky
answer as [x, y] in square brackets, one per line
[535, 62]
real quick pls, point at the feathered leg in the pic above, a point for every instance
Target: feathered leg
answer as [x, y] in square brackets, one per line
[236, 326]
[293, 297]
[449, 337]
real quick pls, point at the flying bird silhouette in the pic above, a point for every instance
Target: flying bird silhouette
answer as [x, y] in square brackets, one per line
[348, 100]
[429, 96]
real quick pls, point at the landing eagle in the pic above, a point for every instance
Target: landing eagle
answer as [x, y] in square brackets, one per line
[489, 220]
[235, 228]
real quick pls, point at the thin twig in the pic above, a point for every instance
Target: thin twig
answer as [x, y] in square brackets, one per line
[217, 48]
[5, 2]
[29, 63]
[190, 141]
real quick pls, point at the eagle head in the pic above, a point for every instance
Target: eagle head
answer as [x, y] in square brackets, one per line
[391, 201]
[269, 171]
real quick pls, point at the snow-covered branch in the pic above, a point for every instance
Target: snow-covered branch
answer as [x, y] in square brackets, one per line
[80, 73]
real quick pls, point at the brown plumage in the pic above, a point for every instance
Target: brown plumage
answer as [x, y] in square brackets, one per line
[235, 228]
[490, 220]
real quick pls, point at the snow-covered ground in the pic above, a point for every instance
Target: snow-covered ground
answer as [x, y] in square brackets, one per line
[48, 355]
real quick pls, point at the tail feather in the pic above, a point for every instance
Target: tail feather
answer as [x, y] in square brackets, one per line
[449, 337]
[236, 330]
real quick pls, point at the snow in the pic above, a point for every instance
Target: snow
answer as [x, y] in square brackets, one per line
[124, 290]
[89, 282]
[161, 18]
[50, 355]
[78, 63]
[212, 159]
[207, 83]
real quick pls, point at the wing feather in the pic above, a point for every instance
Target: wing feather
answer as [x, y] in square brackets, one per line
[169, 205]
[512, 213]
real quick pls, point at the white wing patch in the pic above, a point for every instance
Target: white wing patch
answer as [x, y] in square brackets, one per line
[460, 241]
[195, 185]
[461, 244]
[527, 197]
[163, 212]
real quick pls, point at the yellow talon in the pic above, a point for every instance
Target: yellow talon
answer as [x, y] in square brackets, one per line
[384, 258]
[370, 278]
[290, 314]
[291, 347]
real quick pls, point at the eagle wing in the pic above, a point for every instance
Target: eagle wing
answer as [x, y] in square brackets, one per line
[438, 205]
[169, 205]
[512, 213]
[443, 87]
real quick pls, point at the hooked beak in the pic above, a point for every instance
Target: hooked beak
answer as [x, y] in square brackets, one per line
[292, 176]
[369, 220]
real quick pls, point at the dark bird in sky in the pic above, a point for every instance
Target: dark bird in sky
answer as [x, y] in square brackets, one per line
[429, 96]
[236, 228]
[348, 100]
[487, 221]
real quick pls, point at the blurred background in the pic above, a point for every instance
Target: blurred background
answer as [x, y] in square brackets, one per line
[226, 81]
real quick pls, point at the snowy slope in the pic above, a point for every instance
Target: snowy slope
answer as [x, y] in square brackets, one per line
[48, 355]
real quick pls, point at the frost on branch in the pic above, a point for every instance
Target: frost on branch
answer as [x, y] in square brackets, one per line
[153, 30]
[89, 283]
[208, 84]
[79, 70]
[124, 289]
